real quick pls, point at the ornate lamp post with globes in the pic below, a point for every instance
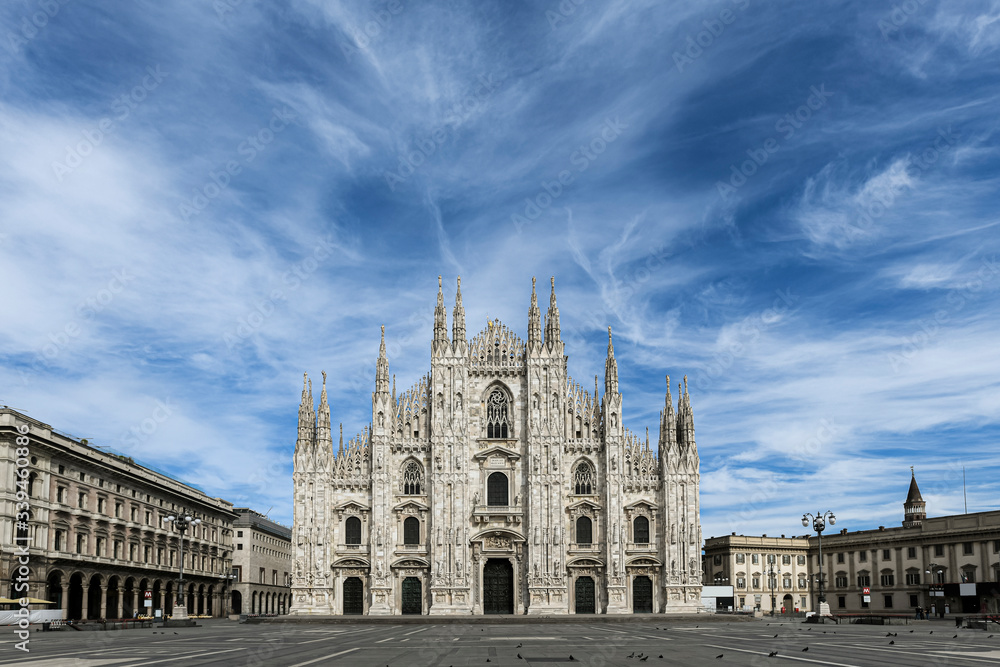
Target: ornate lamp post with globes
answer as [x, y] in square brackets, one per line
[181, 523]
[819, 525]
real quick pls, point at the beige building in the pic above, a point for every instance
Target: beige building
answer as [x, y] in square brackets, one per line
[262, 564]
[947, 563]
[765, 572]
[496, 484]
[90, 525]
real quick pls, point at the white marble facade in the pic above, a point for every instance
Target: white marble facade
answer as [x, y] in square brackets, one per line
[496, 484]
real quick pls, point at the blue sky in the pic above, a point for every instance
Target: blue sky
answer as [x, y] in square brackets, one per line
[795, 204]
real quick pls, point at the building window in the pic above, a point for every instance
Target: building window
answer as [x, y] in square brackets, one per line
[352, 531]
[864, 605]
[756, 582]
[584, 530]
[274, 577]
[967, 548]
[238, 571]
[887, 579]
[786, 582]
[118, 510]
[496, 490]
[411, 530]
[802, 581]
[62, 470]
[497, 415]
[969, 576]
[771, 559]
[842, 601]
[262, 577]
[80, 543]
[640, 531]
[888, 602]
[81, 499]
[840, 581]
[741, 582]
[99, 546]
[145, 554]
[840, 558]
[801, 560]
[912, 578]
[911, 552]
[583, 479]
[741, 559]
[939, 550]
[131, 552]
[83, 477]
[862, 556]
[886, 554]
[914, 600]
[786, 559]
[58, 544]
[135, 515]
[159, 555]
[239, 547]
[239, 533]
[149, 518]
[413, 478]
[996, 546]
[755, 559]
[717, 559]
[864, 580]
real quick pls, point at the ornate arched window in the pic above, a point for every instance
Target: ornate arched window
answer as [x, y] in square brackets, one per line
[640, 530]
[413, 478]
[584, 530]
[352, 530]
[497, 415]
[496, 490]
[411, 530]
[584, 479]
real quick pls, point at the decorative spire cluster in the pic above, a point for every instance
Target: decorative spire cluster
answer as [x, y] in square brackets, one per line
[382, 368]
[534, 321]
[610, 369]
[440, 319]
[552, 331]
[458, 321]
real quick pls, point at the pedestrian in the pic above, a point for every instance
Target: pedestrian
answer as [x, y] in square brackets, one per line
[917, 616]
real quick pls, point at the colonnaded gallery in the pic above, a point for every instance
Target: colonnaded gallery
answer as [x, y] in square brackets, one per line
[496, 485]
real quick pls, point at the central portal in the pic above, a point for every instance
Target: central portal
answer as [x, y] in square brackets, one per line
[412, 598]
[498, 586]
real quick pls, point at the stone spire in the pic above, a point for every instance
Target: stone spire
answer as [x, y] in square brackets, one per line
[382, 368]
[685, 421]
[323, 422]
[307, 416]
[552, 331]
[458, 318]
[610, 369]
[440, 319]
[668, 422]
[915, 509]
[534, 320]
[340, 447]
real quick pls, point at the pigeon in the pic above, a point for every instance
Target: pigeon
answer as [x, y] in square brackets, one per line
[519, 657]
[644, 659]
[990, 637]
[806, 648]
[719, 657]
[631, 656]
[571, 657]
[891, 642]
[661, 655]
[518, 645]
[931, 632]
[772, 654]
[487, 659]
[955, 637]
[911, 631]
[776, 635]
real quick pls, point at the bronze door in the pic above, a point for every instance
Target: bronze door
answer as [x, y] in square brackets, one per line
[642, 595]
[585, 602]
[412, 603]
[354, 596]
[498, 587]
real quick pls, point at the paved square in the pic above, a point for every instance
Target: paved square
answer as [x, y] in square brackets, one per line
[641, 642]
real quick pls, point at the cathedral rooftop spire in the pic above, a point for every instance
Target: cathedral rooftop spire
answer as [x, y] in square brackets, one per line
[534, 320]
[552, 330]
[323, 423]
[382, 367]
[610, 368]
[458, 318]
[440, 317]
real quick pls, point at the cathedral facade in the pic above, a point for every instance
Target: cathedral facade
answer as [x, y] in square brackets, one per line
[496, 485]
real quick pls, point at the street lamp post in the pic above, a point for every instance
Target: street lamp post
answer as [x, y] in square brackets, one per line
[772, 575]
[819, 525]
[181, 523]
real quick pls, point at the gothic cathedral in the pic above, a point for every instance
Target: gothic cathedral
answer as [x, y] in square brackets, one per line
[496, 485]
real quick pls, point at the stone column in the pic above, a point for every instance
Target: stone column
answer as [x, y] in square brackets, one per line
[104, 601]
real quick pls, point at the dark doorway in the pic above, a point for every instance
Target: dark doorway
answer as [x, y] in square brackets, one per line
[354, 596]
[111, 606]
[498, 587]
[237, 602]
[787, 605]
[412, 594]
[642, 595]
[128, 598]
[54, 590]
[94, 597]
[585, 602]
[75, 603]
